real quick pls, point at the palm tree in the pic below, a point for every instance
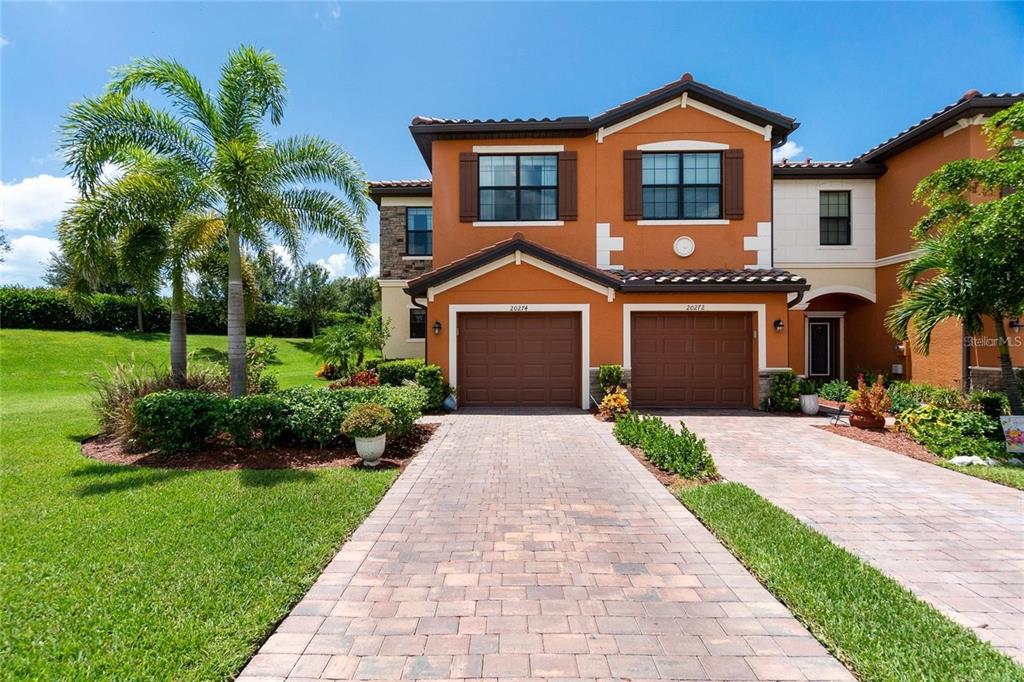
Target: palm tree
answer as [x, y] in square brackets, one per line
[145, 222]
[258, 185]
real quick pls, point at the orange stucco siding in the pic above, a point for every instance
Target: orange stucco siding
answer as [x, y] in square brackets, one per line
[600, 198]
[525, 285]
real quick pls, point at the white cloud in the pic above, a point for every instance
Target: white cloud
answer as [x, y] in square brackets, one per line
[25, 262]
[34, 202]
[4, 42]
[284, 254]
[341, 265]
[789, 150]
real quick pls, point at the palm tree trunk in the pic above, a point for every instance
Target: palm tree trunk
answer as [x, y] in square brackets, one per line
[138, 313]
[236, 316]
[1010, 386]
[179, 349]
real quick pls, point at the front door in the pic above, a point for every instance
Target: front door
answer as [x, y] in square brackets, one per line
[823, 347]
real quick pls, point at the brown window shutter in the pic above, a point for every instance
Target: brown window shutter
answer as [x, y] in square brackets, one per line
[469, 184]
[632, 185]
[732, 178]
[567, 189]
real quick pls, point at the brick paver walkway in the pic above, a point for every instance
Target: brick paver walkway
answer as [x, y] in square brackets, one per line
[954, 540]
[522, 546]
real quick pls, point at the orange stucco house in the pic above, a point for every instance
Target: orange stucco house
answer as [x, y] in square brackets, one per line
[657, 235]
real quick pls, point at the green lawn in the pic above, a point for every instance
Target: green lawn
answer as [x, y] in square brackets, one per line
[866, 619]
[110, 572]
[1011, 476]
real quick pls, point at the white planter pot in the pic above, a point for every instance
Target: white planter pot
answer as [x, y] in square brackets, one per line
[370, 449]
[809, 404]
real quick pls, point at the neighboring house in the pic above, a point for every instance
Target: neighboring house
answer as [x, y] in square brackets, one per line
[544, 248]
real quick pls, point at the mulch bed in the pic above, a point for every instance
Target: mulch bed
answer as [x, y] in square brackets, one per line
[399, 453]
[894, 441]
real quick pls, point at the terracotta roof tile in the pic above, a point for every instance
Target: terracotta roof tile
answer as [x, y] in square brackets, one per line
[634, 278]
[399, 183]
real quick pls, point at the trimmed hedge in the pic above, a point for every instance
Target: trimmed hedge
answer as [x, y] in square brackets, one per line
[397, 372]
[176, 421]
[42, 308]
[681, 453]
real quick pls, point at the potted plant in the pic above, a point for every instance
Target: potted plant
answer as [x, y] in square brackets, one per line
[368, 424]
[450, 402]
[808, 397]
[868, 405]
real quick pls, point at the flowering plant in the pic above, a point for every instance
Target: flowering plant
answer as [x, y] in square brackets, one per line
[874, 400]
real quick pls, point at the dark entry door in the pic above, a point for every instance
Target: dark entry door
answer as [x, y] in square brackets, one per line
[823, 348]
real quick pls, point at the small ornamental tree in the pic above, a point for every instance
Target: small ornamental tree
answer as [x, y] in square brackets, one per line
[971, 264]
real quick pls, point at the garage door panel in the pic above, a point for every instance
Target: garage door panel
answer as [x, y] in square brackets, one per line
[691, 359]
[529, 359]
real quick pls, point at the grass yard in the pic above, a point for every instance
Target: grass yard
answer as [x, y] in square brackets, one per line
[866, 619]
[110, 572]
[1011, 476]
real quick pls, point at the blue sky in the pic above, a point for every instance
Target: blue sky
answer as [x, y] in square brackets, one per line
[852, 74]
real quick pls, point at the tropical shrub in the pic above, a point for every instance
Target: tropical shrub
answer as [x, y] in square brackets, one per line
[949, 433]
[397, 372]
[871, 400]
[681, 453]
[259, 353]
[610, 377]
[255, 420]
[783, 392]
[807, 387]
[315, 414]
[992, 403]
[338, 347]
[123, 383]
[431, 378]
[176, 421]
[836, 390]
[614, 403]
[367, 421]
[329, 372]
[362, 378]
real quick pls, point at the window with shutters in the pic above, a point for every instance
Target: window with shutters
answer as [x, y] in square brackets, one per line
[834, 218]
[518, 187]
[682, 185]
[419, 231]
[417, 323]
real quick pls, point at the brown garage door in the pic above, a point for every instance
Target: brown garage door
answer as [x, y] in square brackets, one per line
[519, 359]
[691, 359]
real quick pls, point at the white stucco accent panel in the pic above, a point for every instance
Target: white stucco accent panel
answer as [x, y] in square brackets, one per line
[395, 304]
[761, 244]
[606, 243]
[797, 237]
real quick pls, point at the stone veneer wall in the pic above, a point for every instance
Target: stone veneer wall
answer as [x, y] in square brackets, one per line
[764, 380]
[392, 247]
[988, 378]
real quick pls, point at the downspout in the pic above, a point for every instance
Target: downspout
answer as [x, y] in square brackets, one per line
[426, 331]
[795, 301]
[965, 363]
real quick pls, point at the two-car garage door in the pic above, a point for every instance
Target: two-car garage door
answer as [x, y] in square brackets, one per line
[691, 359]
[534, 359]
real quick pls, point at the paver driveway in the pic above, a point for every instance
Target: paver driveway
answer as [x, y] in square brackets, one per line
[534, 546]
[954, 540]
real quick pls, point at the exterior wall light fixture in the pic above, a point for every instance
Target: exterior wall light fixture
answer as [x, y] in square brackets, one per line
[437, 327]
[779, 325]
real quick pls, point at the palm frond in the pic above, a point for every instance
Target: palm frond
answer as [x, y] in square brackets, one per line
[176, 82]
[325, 214]
[98, 131]
[251, 84]
[308, 158]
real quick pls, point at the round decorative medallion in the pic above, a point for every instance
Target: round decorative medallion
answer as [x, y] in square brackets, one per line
[683, 247]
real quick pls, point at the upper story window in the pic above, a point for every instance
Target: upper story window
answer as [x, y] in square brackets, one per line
[682, 185]
[518, 187]
[834, 218]
[419, 231]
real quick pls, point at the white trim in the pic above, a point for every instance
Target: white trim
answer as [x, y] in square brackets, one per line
[682, 102]
[519, 258]
[761, 245]
[417, 258]
[758, 308]
[844, 265]
[681, 146]
[964, 123]
[519, 223]
[518, 148]
[415, 340]
[392, 282]
[816, 292]
[666, 223]
[412, 202]
[606, 243]
[582, 308]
